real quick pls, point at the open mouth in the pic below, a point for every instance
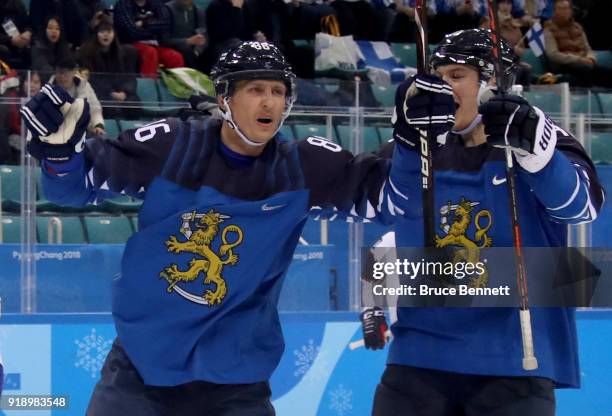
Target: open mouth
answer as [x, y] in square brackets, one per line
[265, 121]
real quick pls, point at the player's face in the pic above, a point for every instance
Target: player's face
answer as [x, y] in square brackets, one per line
[465, 83]
[257, 107]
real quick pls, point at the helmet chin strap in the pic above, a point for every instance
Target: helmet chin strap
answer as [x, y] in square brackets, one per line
[227, 116]
[485, 92]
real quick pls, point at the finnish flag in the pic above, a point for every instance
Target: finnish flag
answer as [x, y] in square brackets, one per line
[535, 38]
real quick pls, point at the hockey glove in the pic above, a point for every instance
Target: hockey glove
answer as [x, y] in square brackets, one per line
[57, 124]
[510, 121]
[422, 102]
[374, 326]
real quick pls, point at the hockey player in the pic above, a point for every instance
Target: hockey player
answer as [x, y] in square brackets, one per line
[225, 201]
[467, 361]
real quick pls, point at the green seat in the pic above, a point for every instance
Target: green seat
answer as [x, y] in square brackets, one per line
[369, 134]
[122, 203]
[146, 89]
[202, 4]
[605, 99]
[406, 53]
[10, 181]
[134, 220]
[112, 128]
[604, 58]
[302, 131]
[585, 104]
[72, 230]
[601, 148]
[130, 124]
[108, 230]
[11, 229]
[536, 63]
[385, 133]
[287, 132]
[384, 94]
[547, 101]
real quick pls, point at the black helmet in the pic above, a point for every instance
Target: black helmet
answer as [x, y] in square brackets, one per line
[252, 60]
[474, 47]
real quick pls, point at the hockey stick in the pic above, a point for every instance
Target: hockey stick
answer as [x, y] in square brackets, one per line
[529, 360]
[427, 180]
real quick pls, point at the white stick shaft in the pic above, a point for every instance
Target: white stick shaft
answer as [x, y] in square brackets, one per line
[529, 360]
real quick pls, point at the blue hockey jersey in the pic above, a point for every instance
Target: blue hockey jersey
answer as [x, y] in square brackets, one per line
[471, 195]
[201, 278]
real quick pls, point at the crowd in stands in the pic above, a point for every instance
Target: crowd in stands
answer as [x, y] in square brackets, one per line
[97, 49]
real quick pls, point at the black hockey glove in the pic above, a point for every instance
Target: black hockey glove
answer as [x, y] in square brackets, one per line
[422, 102]
[510, 121]
[57, 124]
[374, 326]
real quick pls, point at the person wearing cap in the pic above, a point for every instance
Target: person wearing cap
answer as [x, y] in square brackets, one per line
[67, 77]
[195, 307]
[468, 361]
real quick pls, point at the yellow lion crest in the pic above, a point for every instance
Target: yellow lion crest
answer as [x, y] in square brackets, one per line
[199, 242]
[456, 234]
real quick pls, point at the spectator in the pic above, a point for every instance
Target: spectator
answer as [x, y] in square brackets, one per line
[453, 15]
[359, 18]
[66, 76]
[225, 21]
[76, 15]
[531, 10]
[188, 34]
[510, 31]
[111, 68]
[31, 85]
[403, 28]
[304, 18]
[568, 51]
[50, 48]
[15, 35]
[9, 125]
[143, 24]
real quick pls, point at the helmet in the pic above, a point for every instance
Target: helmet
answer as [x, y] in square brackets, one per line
[249, 61]
[474, 47]
[252, 60]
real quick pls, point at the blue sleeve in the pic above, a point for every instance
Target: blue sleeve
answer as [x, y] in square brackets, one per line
[110, 167]
[568, 187]
[352, 188]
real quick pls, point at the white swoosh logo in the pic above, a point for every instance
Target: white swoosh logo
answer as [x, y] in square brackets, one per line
[266, 207]
[80, 145]
[497, 181]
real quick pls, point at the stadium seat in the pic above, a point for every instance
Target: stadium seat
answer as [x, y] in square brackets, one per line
[112, 128]
[72, 230]
[385, 134]
[547, 101]
[370, 137]
[287, 132]
[10, 182]
[604, 58]
[406, 53]
[146, 89]
[585, 104]
[122, 203]
[130, 124]
[303, 131]
[601, 148]
[202, 4]
[11, 229]
[108, 230]
[384, 94]
[605, 100]
[537, 66]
